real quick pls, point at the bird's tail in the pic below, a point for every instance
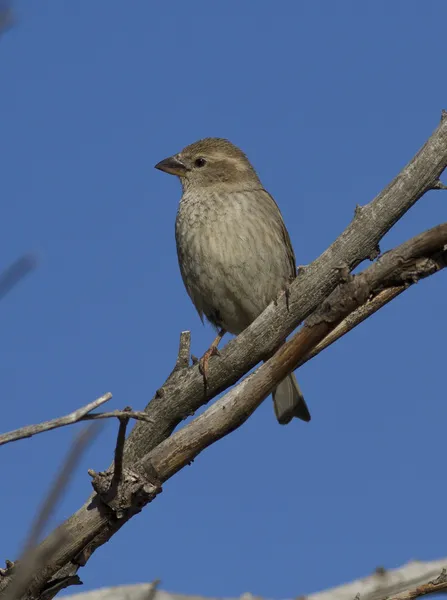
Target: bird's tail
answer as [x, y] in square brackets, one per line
[289, 402]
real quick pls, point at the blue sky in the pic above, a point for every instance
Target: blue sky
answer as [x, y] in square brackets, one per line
[329, 100]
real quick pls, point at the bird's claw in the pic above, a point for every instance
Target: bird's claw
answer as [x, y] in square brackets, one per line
[203, 362]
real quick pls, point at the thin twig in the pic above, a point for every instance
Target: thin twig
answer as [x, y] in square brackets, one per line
[119, 450]
[74, 417]
[80, 444]
[138, 415]
[34, 559]
[23, 265]
[6, 15]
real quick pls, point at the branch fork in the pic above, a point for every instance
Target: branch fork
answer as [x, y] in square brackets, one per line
[128, 496]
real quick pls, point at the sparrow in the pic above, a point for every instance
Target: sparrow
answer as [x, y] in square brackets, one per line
[233, 248]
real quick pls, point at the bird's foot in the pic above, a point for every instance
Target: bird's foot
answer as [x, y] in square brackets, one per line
[213, 350]
[203, 362]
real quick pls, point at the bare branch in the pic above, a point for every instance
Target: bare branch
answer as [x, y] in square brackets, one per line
[432, 587]
[184, 351]
[23, 265]
[356, 317]
[416, 264]
[33, 559]
[6, 15]
[151, 461]
[413, 260]
[406, 264]
[119, 450]
[79, 446]
[138, 415]
[382, 583]
[74, 417]
[182, 361]
[184, 392]
[438, 185]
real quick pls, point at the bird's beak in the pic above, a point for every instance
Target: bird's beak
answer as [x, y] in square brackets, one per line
[172, 165]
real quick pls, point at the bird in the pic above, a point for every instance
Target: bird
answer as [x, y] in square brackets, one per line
[233, 248]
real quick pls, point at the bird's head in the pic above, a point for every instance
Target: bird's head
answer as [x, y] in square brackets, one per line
[211, 162]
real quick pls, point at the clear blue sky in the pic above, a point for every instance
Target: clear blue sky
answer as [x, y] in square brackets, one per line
[329, 100]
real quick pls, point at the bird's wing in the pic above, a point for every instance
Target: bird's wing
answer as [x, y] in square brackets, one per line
[287, 242]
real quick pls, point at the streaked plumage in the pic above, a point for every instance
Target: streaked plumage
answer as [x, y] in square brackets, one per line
[234, 251]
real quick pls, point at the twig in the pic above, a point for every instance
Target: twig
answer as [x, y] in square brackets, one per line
[6, 15]
[138, 415]
[33, 559]
[181, 367]
[182, 363]
[183, 354]
[79, 446]
[438, 185]
[74, 417]
[23, 265]
[119, 450]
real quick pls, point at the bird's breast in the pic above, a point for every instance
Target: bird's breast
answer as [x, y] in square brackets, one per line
[231, 255]
[210, 228]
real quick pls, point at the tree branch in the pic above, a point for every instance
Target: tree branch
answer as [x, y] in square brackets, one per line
[184, 393]
[138, 415]
[119, 451]
[415, 259]
[380, 584]
[74, 417]
[418, 258]
[11, 276]
[436, 586]
[34, 558]
[6, 15]
[151, 458]
[19, 434]
[356, 317]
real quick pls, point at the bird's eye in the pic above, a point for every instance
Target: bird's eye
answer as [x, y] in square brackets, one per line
[200, 162]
